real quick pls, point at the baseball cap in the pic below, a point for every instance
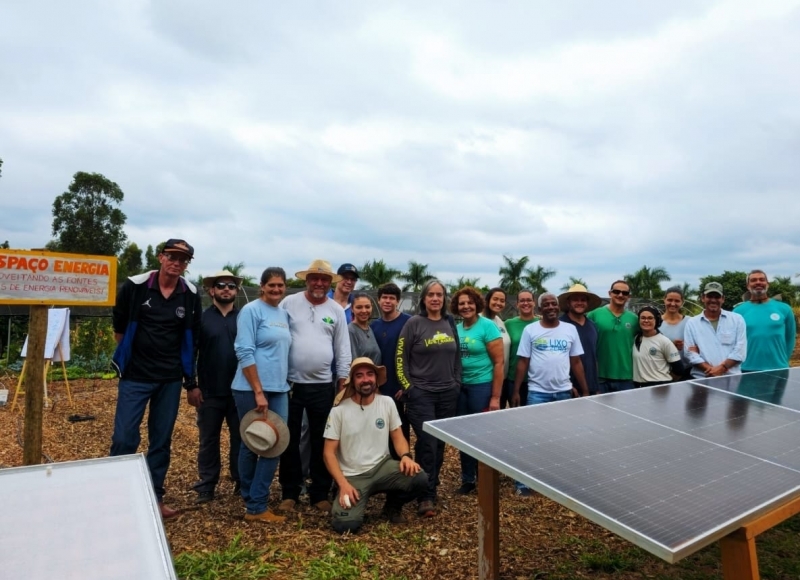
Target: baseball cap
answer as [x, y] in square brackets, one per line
[713, 287]
[348, 269]
[175, 245]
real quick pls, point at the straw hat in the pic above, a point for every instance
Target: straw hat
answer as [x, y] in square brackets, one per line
[349, 388]
[209, 281]
[266, 436]
[319, 267]
[594, 299]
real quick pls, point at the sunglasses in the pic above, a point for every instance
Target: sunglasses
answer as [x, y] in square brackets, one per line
[180, 259]
[621, 292]
[223, 285]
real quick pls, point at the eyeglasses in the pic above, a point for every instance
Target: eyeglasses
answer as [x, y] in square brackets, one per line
[621, 292]
[175, 258]
[223, 285]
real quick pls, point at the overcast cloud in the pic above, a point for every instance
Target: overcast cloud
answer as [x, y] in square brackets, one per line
[594, 137]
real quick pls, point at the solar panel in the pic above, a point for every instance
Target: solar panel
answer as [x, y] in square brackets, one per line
[670, 468]
[92, 519]
[770, 386]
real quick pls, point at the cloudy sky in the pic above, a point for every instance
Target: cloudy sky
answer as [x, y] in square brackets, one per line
[594, 137]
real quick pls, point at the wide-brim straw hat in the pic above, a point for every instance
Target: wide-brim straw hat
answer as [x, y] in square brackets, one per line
[319, 267]
[594, 299]
[266, 435]
[350, 389]
[209, 281]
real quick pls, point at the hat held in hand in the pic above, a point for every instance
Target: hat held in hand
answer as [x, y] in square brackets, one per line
[265, 434]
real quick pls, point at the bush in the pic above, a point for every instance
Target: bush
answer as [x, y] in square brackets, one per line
[92, 345]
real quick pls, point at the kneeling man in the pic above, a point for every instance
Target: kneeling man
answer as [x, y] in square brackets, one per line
[357, 450]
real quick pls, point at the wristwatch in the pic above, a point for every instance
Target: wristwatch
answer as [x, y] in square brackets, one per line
[407, 454]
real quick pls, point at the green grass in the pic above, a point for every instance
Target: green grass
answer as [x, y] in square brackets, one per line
[348, 561]
[235, 561]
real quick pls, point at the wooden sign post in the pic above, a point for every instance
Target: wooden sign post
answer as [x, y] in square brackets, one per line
[34, 387]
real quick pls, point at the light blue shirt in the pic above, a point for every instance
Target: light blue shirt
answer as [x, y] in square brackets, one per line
[263, 339]
[728, 341]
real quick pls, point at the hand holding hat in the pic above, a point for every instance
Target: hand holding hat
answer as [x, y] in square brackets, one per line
[265, 434]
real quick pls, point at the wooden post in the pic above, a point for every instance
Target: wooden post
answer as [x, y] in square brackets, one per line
[488, 523]
[739, 560]
[34, 386]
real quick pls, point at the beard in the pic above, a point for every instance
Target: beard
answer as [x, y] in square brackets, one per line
[366, 389]
[222, 300]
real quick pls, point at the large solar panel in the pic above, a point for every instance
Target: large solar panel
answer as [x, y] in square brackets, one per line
[670, 468]
[92, 519]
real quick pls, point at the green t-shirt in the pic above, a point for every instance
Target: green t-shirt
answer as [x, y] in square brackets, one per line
[476, 364]
[514, 328]
[614, 343]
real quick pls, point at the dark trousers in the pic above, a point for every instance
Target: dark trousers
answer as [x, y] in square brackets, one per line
[423, 406]
[316, 399]
[508, 393]
[405, 428]
[210, 416]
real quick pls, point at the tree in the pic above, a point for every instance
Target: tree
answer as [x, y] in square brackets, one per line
[783, 285]
[5, 245]
[130, 261]
[452, 287]
[734, 285]
[151, 257]
[535, 278]
[416, 276]
[295, 283]
[572, 282]
[237, 270]
[1, 167]
[376, 273]
[86, 219]
[646, 282]
[511, 273]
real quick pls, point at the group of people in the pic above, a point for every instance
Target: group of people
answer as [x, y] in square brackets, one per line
[312, 383]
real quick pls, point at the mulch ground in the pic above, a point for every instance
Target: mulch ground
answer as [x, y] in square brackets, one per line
[539, 538]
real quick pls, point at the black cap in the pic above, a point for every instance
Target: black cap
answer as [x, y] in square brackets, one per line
[173, 245]
[348, 269]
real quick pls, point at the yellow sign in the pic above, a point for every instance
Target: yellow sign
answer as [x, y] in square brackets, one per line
[34, 277]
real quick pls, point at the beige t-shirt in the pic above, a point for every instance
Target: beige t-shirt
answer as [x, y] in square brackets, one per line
[363, 434]
[651, 360]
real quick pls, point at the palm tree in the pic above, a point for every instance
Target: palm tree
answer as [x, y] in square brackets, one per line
[689, 293]
[461, 282]
[236, 269]
[536, 277]
[416, 276]
[572, 281]
[511, 274]
[646, 282]
[376, 273]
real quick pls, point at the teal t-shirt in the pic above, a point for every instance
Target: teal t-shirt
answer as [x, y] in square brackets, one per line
[771, 330]
[476, 364]
[615, 336]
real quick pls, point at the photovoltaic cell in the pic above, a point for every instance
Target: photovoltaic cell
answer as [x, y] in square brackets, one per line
[670, 468]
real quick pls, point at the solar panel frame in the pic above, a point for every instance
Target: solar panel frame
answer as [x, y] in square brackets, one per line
[783, 479]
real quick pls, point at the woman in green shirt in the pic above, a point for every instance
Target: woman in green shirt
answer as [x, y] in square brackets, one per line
[515, 326]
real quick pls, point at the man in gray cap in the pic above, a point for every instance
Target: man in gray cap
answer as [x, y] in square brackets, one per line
[715, 341]
[216, 367]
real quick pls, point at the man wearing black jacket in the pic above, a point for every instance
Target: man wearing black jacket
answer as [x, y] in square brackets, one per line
[156, 324]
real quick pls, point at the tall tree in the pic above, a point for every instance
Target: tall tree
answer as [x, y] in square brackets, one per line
[646, 282]
[784, 286]
[86, 217]
[734, 285]
[452, 287]
[416, 276]
[237, 269]
[511, 273]
[535, 278]
[5, 245]
[376, 273]
[130, 261]
[572, 281]
[688, 291]
[151, 256]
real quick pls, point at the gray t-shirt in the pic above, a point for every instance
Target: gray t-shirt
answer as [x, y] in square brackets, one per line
[675, 332]
[428, 355]
[363, 343]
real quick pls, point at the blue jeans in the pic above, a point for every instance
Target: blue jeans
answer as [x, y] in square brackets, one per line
[537, 398]
[612, 386]
[472, 399]
[132, 399]
[256, 473]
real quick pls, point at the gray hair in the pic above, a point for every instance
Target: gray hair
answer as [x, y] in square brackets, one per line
[424, 292]
[543, 296]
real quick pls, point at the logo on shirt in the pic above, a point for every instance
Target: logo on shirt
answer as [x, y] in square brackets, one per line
[439, 338]
[380, 423]
[327, 320]
[551, 344]
[147, 303]
[628, 325]
[775, 316]
[653, 350]
[180, 312]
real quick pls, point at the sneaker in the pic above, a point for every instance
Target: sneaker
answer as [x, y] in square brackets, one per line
[466, 488]
[204, 497]
[394, 515]
[426, 509]
[324, 506]
[287, 505]
[524, 492]
[266, 517]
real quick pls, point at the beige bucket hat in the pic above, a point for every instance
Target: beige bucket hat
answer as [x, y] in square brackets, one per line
[594, 299]
[349, 389]
[265, 435]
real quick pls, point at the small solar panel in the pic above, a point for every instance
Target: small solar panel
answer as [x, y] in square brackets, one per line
[670, 468]
[92, 519]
